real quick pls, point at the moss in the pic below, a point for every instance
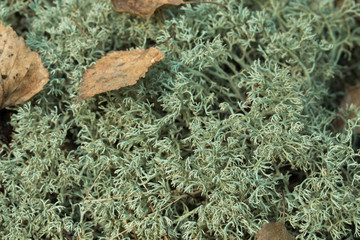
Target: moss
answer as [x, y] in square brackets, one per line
[239, 110]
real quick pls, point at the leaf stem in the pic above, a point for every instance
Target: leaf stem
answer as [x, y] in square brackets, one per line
[283, 215]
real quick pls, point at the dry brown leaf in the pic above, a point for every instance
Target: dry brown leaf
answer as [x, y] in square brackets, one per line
[22, 73]
[339, 3]
[143, 8]
[116, 70]
[274, 231]
[352, 96]
[146, 8]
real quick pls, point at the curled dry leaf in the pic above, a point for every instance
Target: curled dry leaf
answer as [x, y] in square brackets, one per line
[143, 8]
[352, 96]
[22, 73]
[274, 231]
[146, 8]
[116, 70]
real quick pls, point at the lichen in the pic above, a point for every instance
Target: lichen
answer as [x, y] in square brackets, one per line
[239, 110]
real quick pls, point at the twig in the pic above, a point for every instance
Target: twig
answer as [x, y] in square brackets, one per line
[117, 198]
[196, 2]
[171, 36]
[148, 217]
[87, 194]
[283, 216]
[78, 25]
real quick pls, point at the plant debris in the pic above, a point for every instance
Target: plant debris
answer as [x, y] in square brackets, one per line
[116, 70]
[146, 8]
[275, 231]
[352, 96]
[22, 73]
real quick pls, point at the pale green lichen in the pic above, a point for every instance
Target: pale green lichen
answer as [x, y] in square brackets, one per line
[239, 109]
